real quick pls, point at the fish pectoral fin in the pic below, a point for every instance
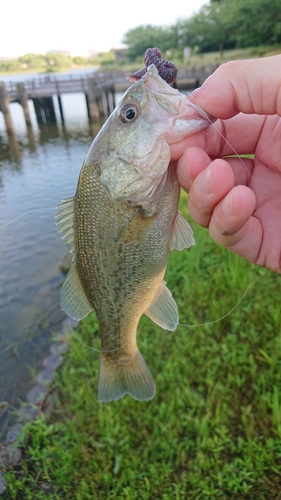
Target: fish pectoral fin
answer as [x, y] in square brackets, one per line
[73, 298]
[164, 310]
[182, 234]
[132, 377]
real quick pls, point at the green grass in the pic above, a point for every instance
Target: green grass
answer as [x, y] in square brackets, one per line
[214, 428]
[231, 55]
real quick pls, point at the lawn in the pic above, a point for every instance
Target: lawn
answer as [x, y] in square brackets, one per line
[213, 429]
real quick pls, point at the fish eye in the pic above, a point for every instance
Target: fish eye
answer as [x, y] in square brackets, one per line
[128, 113]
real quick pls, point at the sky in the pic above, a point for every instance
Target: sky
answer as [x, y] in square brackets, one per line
[82, 26]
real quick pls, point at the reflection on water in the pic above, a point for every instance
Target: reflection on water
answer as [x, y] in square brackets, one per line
[38, 167]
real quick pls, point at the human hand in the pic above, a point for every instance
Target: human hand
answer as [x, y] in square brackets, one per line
[239, 200]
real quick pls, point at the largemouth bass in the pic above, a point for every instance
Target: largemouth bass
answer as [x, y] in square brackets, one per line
[120, 225]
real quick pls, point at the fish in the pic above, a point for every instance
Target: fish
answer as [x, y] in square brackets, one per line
[120, 226]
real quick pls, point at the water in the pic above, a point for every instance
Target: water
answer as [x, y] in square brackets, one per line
[37, 170]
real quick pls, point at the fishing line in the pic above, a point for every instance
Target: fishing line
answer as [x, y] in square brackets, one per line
[207, 117]
[229, 312]
[179, 324]
[26, 213]
[102, 350]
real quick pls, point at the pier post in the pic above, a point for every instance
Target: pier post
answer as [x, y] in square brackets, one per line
[100, 104]
[113, 97]
[37, 109]
[4, 106]
[110, 99]
[104, 104]
[93, 111]
[49, 109]
[60, 108]
[201, 75]
[59, 100]
[23, 100]
[87, 105]
[44, 109]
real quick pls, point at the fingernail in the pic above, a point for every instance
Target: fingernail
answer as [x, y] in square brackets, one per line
[205, 182]
[184, 175]
[227, 207]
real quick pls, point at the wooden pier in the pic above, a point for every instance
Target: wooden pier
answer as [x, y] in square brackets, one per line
[99, 89]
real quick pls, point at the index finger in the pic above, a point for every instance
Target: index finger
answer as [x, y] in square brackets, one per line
[251, 86]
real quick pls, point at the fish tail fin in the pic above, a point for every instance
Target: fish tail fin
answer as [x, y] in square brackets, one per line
[133, 378]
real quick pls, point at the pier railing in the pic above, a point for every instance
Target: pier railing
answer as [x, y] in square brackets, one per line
[99, 89]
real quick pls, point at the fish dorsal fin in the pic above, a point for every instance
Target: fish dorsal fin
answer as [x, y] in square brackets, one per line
[65, 220]
[163, 310]
[73, 298]
[182, 234]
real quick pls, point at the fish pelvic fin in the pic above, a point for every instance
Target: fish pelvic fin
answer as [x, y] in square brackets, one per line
[131, 377]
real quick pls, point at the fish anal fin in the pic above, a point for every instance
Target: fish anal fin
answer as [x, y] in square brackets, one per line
[73, 298]
[181, 235]
[163, 310]
[131, 377]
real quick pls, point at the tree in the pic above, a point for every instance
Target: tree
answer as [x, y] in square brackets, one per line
[141, 38]
[33, 61]
[219, 25]
[226, 24]
[259, 22]
[213, 28]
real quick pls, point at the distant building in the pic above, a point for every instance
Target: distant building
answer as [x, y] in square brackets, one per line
[120, 51]
[93, 54]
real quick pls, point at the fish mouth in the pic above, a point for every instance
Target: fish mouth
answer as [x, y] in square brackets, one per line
[203, 114]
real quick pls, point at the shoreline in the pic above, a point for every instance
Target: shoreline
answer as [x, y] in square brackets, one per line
[194, 60]
[46, 73]
[40, 399]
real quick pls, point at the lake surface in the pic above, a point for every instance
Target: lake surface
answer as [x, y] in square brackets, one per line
[38, 169]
